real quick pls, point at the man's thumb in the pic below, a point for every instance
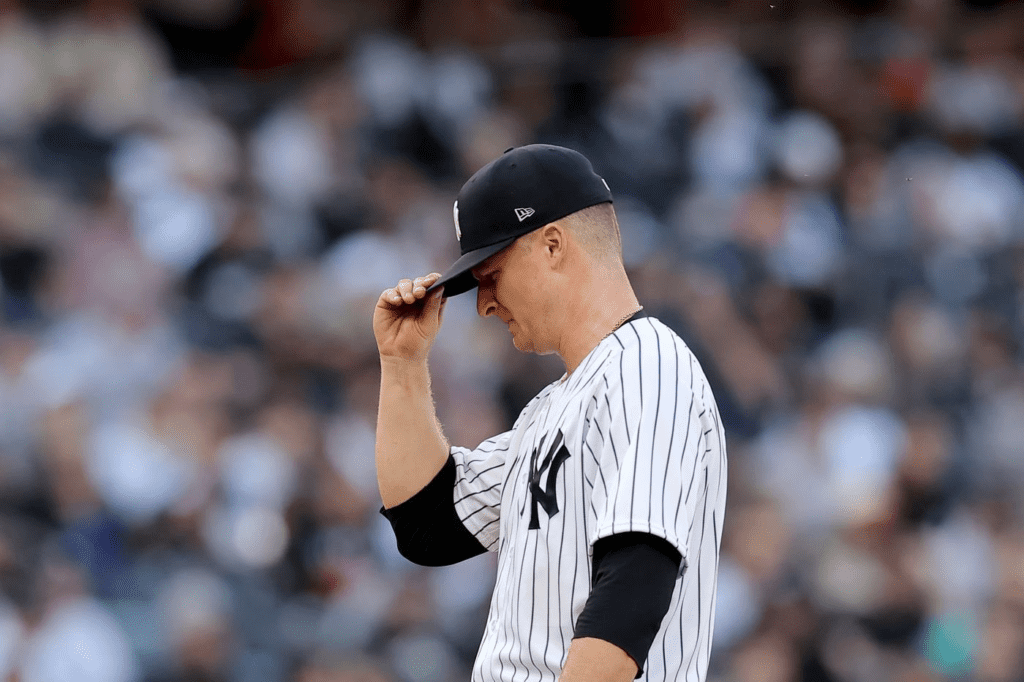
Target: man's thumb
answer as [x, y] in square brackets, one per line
[433, 305]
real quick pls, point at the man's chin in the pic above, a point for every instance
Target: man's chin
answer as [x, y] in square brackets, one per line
[520, 343]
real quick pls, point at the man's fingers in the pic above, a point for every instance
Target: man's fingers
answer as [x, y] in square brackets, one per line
[405, 290]
[421, 284]
[434, 303]
[427, 280]
[409, 290]
[441, 305]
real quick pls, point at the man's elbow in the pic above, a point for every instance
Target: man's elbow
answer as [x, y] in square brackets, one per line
[421, 552]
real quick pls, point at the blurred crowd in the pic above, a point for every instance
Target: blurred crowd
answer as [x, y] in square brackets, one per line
[200, 201]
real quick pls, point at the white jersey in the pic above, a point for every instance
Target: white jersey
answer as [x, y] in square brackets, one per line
[631, 441]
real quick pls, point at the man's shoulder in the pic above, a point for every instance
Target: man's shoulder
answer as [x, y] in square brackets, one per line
[648, 347]
[647, 336]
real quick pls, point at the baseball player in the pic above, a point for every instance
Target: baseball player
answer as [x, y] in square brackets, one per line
[605, 500]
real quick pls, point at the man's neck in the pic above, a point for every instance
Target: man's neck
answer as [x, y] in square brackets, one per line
[600, 307]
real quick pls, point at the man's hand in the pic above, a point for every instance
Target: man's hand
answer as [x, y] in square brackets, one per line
[406, 320]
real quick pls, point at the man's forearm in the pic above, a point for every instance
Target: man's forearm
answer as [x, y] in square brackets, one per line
[410, 446]
[595, 660]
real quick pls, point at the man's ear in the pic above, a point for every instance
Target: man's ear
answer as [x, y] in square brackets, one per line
[554, 240]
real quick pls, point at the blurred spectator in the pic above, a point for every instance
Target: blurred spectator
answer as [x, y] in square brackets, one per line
[75, 636]
[27, 84]
[108, 66]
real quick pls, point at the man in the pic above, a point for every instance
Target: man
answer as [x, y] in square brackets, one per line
[605, 501]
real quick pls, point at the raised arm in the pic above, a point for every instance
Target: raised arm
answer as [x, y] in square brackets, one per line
[411, 449]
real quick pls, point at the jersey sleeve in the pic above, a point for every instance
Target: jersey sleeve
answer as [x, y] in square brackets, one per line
[479, 475]
[646, 438]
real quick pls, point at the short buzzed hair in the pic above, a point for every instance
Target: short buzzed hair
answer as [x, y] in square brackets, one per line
[597, 230]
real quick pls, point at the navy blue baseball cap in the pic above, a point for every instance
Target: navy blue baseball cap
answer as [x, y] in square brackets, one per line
[522, 190]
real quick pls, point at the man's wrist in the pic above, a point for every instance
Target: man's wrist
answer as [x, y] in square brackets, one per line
[405, 371]
[401, 362]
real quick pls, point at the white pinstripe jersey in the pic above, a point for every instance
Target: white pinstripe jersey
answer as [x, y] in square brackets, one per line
[630, 441]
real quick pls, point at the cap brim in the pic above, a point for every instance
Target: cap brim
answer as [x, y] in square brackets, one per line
[458, 279]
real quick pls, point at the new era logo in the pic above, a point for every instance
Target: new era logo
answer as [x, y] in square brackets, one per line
[524, 213]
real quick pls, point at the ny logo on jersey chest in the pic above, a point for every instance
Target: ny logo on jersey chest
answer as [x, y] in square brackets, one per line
[552, 462]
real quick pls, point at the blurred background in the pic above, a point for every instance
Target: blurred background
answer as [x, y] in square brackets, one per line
[200, 201]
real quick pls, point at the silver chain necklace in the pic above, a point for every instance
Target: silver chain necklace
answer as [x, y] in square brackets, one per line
[621, 322]
[617, 325]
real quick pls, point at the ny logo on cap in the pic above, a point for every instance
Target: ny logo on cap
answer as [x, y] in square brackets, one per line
[455, 216]
[524, 213]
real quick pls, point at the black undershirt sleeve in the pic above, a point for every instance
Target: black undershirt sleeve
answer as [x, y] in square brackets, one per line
[634, 577]
[428, 528]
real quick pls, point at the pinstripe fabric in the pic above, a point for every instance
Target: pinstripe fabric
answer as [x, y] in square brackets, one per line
[631, 441]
